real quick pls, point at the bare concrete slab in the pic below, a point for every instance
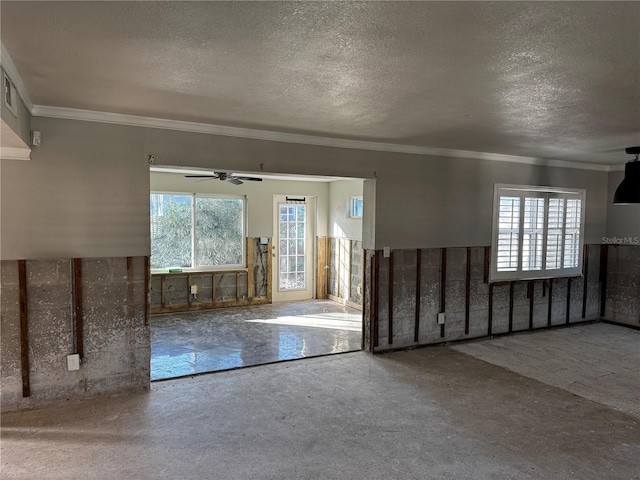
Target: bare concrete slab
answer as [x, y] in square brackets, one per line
[600, 362]
[425, 414]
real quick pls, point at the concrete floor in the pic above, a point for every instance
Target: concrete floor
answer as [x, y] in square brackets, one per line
[209, 341]
[433, 413]
[599, 362]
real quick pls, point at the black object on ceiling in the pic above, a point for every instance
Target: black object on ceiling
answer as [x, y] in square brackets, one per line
[628, 192]
[229, 177]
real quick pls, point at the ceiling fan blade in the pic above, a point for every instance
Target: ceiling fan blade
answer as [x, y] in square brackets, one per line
[250, 179]
[201, 176]
[234, 180]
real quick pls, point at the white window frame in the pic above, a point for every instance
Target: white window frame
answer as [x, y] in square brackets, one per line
[535, 191]
[352, 201]
[208, 268]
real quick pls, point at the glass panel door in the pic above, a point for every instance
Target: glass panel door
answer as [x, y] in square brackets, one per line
[292, 247]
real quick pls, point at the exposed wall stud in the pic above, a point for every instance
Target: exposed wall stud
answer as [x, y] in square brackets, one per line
[467, 295]
[390, 339]
[77, 278]
[490, 326]
[376, 295]
[147, 280]
[24, 328]
[549, 313]
[585, 279]
[511, 287]
[250, 279]
[568, 301]
[443, 287]
[416, 330]
[532, 286]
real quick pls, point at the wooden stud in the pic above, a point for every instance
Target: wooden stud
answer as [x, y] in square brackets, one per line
[467, 295]
[77, 279]
[320, 292]
[511, 288]
[366, 305]
[24, 328]
[568, 301]
[416, 329]
[163, 290]
[443, 287]
[550, 302]
[147, 280]
[585, 279]
[130, 304]
[250, 280]
[390, 338]
[604, 263]
[269, 271]
[532, 286]
[376, 296]
[490, 326]
[487, 263]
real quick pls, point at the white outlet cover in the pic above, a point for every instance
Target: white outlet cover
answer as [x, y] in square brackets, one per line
[386, 252]
[73, 362]
[441, 319]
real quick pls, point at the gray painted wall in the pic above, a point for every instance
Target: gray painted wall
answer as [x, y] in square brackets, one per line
[340, 223]
[85, 191]
[623, 221]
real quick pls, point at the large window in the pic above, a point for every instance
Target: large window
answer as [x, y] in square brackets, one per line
[196, 231]
[537, 232]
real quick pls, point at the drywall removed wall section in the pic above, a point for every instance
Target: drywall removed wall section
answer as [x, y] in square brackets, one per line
[259, 197]
[172, 292]
[345, 281]
[413, 286]
[110, 328]
[622, 301]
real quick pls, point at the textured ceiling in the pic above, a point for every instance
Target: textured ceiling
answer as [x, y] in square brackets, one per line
[543, 79]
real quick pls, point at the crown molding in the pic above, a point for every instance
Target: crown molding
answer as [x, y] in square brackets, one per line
[10, 153]
[12, 72]
[161, 123]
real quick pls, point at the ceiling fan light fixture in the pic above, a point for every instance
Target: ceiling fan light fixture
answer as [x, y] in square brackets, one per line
[628, 192]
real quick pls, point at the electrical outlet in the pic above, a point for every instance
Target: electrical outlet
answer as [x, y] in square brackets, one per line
[73, 362]
[264, 240]
[441, 318]
[386, 252]
[194, 289]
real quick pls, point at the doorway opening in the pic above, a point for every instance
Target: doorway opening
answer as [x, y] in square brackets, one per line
[294, 289]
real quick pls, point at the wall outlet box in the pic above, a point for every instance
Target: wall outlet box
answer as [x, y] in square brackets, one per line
[441, 318]
[73, 362]
[194, 289]
[386, 252]
[264, 240]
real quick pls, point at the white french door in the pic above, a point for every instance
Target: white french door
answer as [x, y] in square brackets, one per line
[292, 248]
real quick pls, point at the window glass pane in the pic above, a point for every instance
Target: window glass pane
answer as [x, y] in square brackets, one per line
[356, 207]
[508, 234]
[171, 230]
[219, 231]
[292, 247]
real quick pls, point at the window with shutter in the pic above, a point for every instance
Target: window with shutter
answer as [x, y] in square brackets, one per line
[537, 232]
